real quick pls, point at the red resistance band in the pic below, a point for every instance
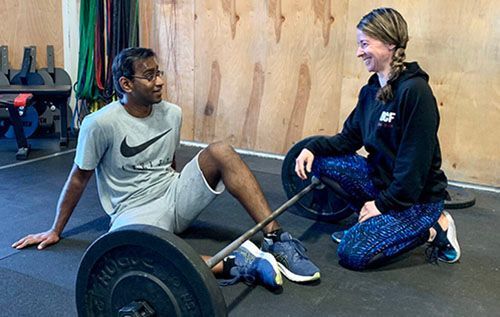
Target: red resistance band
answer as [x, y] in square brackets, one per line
[22, 100]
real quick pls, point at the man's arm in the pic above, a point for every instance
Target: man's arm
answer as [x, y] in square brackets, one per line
[70, 195]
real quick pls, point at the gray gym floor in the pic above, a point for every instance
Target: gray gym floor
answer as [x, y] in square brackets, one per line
[42, 283]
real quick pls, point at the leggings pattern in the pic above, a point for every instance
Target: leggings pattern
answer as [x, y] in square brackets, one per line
[382, 237]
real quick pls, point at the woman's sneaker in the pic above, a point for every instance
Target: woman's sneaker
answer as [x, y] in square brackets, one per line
[445, 246]
[338, 236]
[291, 257]
[252, 266]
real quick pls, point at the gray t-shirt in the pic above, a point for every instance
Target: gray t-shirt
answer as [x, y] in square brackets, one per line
[131, 156]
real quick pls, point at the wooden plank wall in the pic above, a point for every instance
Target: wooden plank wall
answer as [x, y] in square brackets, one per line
[264, 74]
[32, 22]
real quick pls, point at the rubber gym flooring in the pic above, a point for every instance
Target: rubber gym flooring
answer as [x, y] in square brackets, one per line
[42, 283]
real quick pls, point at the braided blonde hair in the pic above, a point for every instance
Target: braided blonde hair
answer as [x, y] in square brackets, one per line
[388, 26]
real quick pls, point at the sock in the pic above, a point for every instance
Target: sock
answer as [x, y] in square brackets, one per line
[227, 264]
[273, 236]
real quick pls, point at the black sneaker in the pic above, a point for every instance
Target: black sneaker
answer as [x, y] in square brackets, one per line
[445, 246]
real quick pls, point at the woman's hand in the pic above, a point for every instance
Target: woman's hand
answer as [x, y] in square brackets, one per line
[305, 159]
[369, 210]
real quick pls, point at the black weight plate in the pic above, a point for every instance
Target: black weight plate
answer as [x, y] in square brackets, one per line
[319, 204]
[459, 198]
[31, 79]
[47, 79]
[61, 77]
[144, 263]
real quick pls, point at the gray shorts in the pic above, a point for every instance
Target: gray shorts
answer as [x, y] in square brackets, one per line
[182, 203]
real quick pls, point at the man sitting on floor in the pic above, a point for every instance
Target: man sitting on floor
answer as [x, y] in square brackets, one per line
[131, 145]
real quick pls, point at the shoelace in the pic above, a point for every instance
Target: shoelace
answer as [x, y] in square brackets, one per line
[248, 278]
[300, 248]
[242, 273]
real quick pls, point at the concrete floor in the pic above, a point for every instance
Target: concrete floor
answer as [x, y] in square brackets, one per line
[42, 283]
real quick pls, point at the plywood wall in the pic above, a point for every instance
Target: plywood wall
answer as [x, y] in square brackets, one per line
[263, 74]
[32, 22]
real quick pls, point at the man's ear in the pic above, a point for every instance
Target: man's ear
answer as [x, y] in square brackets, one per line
[126, 84]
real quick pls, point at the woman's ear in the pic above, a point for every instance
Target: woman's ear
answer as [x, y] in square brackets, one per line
[391, 47]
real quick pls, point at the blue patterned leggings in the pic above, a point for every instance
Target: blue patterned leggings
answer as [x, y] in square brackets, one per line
[379, 238]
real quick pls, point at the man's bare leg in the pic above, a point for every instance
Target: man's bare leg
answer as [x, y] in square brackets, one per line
[218, 162]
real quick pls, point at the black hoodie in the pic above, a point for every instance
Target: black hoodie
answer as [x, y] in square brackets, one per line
[400, 137]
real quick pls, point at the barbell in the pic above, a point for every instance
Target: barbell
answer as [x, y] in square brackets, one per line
[141, 270]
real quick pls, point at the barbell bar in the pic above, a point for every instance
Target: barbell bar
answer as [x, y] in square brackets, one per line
[219, 256]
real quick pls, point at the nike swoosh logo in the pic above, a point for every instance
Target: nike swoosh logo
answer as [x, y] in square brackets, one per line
[129, 151]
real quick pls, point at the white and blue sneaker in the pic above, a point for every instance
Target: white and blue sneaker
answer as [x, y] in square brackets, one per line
[291, 257]
[445, 246]
[253, 266]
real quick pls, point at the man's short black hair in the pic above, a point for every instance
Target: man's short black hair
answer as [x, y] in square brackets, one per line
[123, 65]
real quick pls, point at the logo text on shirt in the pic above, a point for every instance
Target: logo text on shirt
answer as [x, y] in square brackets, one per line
[387, 116]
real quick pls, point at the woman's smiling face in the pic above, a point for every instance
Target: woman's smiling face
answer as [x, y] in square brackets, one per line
[376, 55]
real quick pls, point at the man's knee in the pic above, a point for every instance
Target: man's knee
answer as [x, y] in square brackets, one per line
[220, 149]
[213, 159]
